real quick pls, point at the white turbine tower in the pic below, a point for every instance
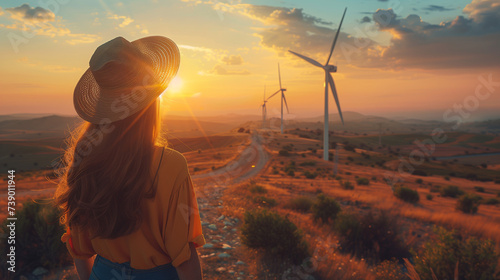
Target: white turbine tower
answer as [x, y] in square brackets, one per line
[283, 98]
[328, 81]
[264, 109]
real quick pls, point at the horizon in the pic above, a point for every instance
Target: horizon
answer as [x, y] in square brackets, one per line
[421, 62]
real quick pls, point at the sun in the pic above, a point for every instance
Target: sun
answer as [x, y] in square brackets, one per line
[175, 85]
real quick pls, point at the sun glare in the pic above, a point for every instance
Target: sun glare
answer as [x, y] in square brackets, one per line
[175, 85]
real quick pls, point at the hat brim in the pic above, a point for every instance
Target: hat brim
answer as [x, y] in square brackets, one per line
[98, 108]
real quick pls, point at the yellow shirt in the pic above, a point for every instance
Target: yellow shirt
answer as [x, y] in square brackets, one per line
[171, 221]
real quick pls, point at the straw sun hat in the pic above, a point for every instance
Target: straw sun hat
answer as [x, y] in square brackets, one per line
[125, 77]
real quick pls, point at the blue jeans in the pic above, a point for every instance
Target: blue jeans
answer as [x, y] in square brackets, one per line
[105, 269]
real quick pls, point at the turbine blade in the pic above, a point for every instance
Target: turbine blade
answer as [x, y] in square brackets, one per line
[336, 36]
[310, 60]
[284, 98]
[279, 75]
[264, 93]
[273, 94]
[334, 92]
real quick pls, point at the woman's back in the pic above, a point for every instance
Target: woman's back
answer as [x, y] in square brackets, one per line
[170, 221]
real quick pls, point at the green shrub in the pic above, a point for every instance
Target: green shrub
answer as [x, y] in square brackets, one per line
[374, 236]
[419, 181]
[325, 209]
[347, 185]
[310, 175]
[362, 181]
[447, 178]
[265, 201]
[477, 259]
[492, 201]
[254, 188]
[479, 189]
[429, 196]
[290, 172]
[277, 235]
[300, 204]
[38, 238]
[468, 203]
[451, 191]
[406, 194]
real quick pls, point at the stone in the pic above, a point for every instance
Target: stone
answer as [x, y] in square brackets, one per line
[204, 223]
[226, 247]
[221, 269]
[228, 223]
[208, 246]
[212, 227]
[224, 255]
[220, 218]
[39, 271]
[240, 263]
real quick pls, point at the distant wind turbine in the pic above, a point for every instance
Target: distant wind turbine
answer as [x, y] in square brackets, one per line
[283, 98]
[264, 109]
[328, 81]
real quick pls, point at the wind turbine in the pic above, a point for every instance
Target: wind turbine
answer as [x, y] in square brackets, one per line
[264, 109]
[328, 81]
[283, 98]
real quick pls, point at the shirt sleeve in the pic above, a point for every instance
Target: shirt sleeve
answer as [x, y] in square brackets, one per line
[183, 223]
[78, 244]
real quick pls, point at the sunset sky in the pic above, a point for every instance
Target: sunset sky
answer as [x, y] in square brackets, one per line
[411, 59]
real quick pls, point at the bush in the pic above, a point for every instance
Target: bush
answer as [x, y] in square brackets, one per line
[300, 204]
[447, 178]
[429, 196]
[310, 175]
[284, 153]
[265, 201]
[406, 194]
[290, 172]
[277, 235]
[254, 188]
[435, 189]
[38, 238]
[477, 259]
[468, 203]
[479, 189]
[362, 181]
[389, 270]
[308, 163]
[325, 209]
[451, 191]
[419, 172]
[492, 201]
[347, 185]
[374, 236]
[419, 181]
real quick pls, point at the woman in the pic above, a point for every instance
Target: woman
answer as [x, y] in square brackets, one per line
[128, 200]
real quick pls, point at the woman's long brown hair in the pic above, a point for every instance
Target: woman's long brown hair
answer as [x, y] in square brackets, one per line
[106, 173]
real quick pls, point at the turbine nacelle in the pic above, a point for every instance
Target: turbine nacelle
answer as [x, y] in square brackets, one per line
[331, 68]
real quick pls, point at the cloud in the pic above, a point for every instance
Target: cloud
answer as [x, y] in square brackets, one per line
[124, 19]
[460, 43]
[39, 21]
[232, 60]
[50, 67]
[470, 40]
[366, 19]
[27, 13]
[436, 8]
[219, 70]
[1, 11]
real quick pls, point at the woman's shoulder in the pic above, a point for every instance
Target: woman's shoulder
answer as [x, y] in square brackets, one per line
[173, 162]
